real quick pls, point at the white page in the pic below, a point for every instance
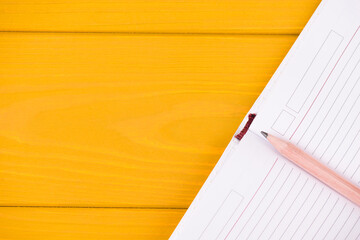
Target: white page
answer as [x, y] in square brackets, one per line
[313, 100]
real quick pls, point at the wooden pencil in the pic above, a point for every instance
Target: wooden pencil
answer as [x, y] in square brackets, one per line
[315, 168]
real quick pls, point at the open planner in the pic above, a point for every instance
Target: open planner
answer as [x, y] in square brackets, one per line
[313, 101]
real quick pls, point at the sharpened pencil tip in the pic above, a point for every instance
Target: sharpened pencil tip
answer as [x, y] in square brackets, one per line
[265, 134]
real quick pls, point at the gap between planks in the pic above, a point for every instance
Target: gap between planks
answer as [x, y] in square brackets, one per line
[157, 33]
[98, 207]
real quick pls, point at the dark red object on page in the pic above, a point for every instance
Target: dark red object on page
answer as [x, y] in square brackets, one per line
[251, 117]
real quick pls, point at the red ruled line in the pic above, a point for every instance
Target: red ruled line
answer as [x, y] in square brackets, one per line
[324, 83]
[251, 198]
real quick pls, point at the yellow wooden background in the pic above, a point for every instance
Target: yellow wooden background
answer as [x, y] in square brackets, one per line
[113, 112]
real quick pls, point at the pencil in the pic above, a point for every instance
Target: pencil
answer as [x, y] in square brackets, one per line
[315, 168]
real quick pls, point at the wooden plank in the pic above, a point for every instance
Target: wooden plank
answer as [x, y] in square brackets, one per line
[211, 16]
[87, 223]
[122, 120]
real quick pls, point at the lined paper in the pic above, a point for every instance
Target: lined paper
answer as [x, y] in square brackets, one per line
[313, 100]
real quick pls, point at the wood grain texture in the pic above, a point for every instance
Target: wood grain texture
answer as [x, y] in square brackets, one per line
[90, 224]
[122, 120]
[163, 16]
